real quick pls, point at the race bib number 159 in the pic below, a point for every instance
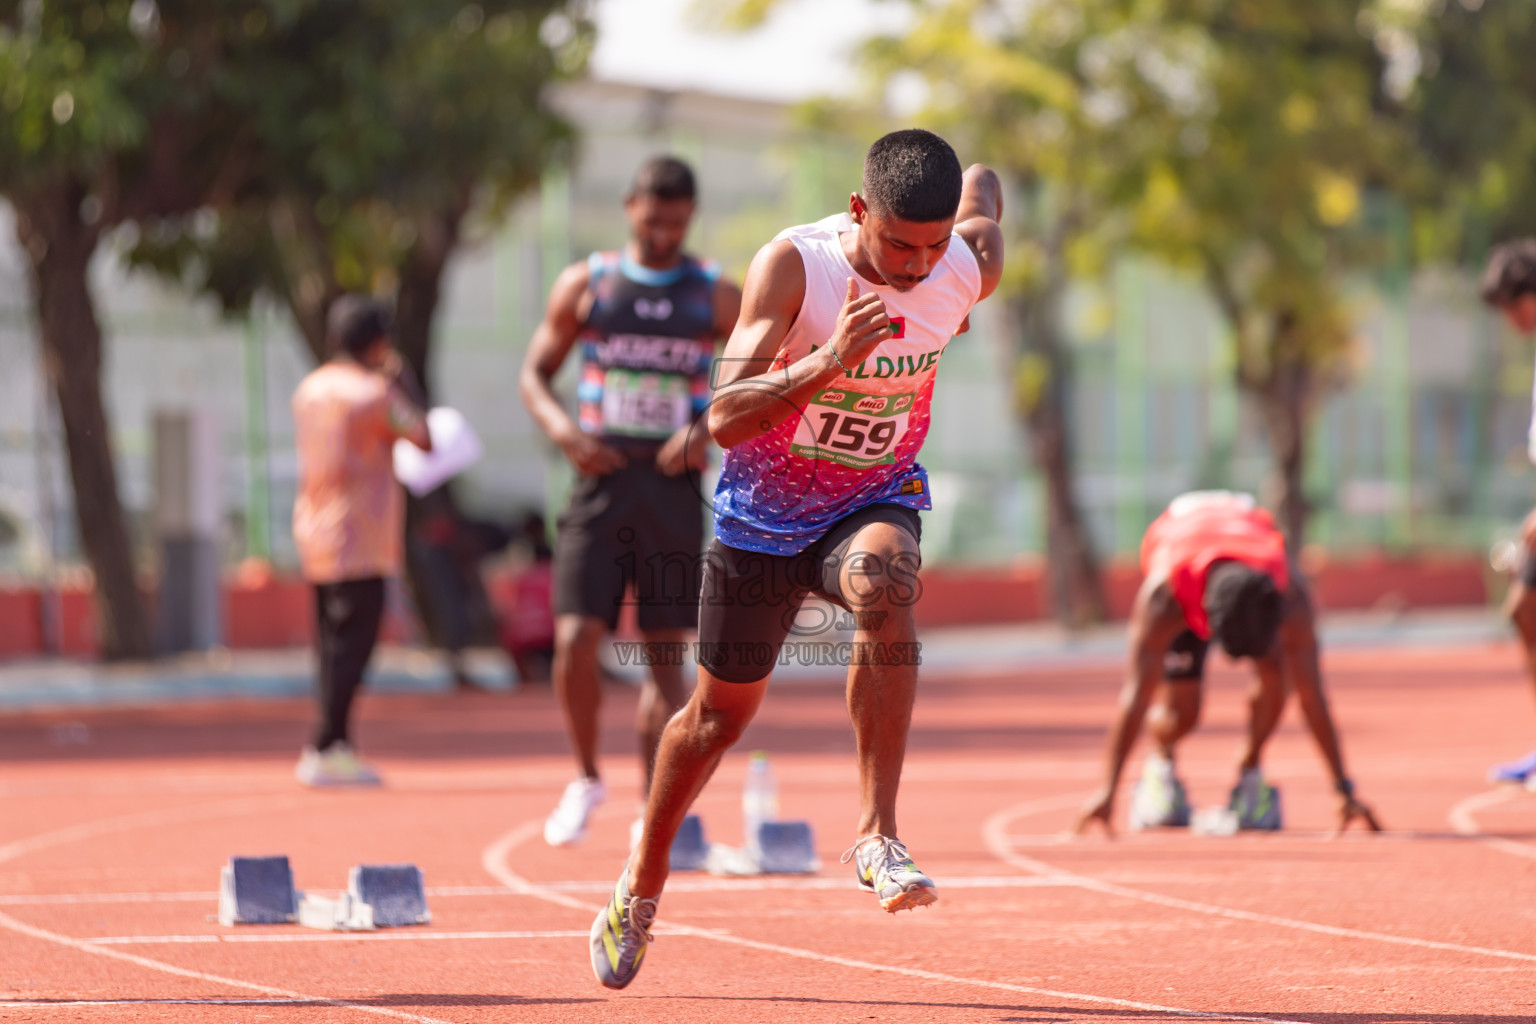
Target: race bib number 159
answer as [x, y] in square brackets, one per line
[852, 429]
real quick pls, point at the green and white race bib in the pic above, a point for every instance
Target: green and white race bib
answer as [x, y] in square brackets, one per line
[852, 429]
[645, 404]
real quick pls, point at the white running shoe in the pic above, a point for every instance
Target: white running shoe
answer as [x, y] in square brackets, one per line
[337, 765]
[1158, 799]
[567, 823]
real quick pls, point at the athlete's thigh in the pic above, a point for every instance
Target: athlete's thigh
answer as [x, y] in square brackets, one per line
[747, 605]
[668, 541]
[594, 556]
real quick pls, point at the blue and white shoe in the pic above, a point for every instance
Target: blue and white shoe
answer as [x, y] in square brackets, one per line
[1159, 799]
[883, 867]
[1518, 773]
[1256, 803]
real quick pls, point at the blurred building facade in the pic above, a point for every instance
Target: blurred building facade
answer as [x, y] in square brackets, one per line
[1423, 448]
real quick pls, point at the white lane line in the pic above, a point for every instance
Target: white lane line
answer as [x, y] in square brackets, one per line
[89, 830]
[495, 860]
[995, 835]
[165, 940]
[450, 891]
[1464, 821]
[50, 1004]
[7, 921]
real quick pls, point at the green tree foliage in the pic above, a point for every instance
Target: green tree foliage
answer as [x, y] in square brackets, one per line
[377, 129]
[1473, 120]
[303, 147]
[103, 120]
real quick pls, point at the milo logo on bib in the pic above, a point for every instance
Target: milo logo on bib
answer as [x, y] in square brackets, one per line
[852, 429]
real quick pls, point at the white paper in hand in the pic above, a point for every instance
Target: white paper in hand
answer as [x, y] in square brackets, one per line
[455, 447]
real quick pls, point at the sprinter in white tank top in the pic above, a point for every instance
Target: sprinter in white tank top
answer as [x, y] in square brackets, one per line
[821, 403]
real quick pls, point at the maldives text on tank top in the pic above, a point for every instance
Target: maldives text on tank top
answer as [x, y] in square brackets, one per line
[856, 442]
[646, 347]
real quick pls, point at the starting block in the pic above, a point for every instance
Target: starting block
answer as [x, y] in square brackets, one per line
[786, 848]
[778, 848]
[689, 849]
[342, 914]
[257, 890]
[394, 893]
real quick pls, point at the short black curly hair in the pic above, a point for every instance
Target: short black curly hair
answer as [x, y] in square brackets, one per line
[1511, 272]
[1244, 608]
[912, 175]
[665, 178]
[354, 323]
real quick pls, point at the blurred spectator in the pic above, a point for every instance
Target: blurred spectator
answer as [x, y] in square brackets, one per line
[445, 550]
[528, 627]
[348, 517]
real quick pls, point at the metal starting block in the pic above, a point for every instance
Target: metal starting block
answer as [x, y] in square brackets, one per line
[689, 849]
[780, 848]
[257, 890]
[342, 914]
[395, 893]
[786, 848]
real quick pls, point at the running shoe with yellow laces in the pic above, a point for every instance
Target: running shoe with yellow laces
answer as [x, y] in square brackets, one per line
[884, 868]
[620, 935]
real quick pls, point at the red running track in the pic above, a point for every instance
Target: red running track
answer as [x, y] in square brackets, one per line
[113, 825]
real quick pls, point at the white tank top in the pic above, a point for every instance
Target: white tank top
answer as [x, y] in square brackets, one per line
[856, 442]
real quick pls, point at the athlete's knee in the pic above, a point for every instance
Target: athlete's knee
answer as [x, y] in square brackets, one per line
[577, 634]
[714, 728]
[881, 587]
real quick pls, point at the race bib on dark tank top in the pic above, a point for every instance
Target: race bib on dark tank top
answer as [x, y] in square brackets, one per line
[646, 347]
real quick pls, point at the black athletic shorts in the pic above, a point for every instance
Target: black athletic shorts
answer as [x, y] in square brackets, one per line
[749, 601]
[1184, 661]
[632, 529]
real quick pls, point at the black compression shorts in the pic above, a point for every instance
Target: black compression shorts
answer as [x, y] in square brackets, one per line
[1184, 661]
[633, 528]
[749, 601]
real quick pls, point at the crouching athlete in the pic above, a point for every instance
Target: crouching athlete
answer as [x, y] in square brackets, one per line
[1215, 568]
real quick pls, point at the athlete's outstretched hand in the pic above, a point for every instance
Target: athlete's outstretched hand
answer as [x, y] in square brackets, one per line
[590, 456]
[862, 325]
[1098, 809]
[1349, 810]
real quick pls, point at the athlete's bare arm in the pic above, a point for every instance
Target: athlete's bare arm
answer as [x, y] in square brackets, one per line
[1156, 620]
[981, 208]
[568, 306]
[687, 448]
[752, 396]
[1296, 656]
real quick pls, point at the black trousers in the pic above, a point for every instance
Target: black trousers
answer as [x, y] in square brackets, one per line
[347, 617]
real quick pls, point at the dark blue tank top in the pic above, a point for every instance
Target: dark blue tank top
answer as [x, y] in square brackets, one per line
[646, 347]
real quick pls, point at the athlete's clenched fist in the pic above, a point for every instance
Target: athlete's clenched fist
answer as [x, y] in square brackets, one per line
[861, 326]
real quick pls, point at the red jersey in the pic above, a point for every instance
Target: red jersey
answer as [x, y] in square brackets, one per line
[1201, 529]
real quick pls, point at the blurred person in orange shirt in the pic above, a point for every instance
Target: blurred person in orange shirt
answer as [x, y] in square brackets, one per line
[1509, 285]
[348, 520]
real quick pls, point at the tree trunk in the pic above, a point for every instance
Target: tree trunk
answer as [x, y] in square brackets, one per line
[59, 246]
[1285, 399]
[416, 302]
[1041, 376]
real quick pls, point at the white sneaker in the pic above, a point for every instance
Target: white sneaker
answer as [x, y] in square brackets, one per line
[338, 765]
[567, 823]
